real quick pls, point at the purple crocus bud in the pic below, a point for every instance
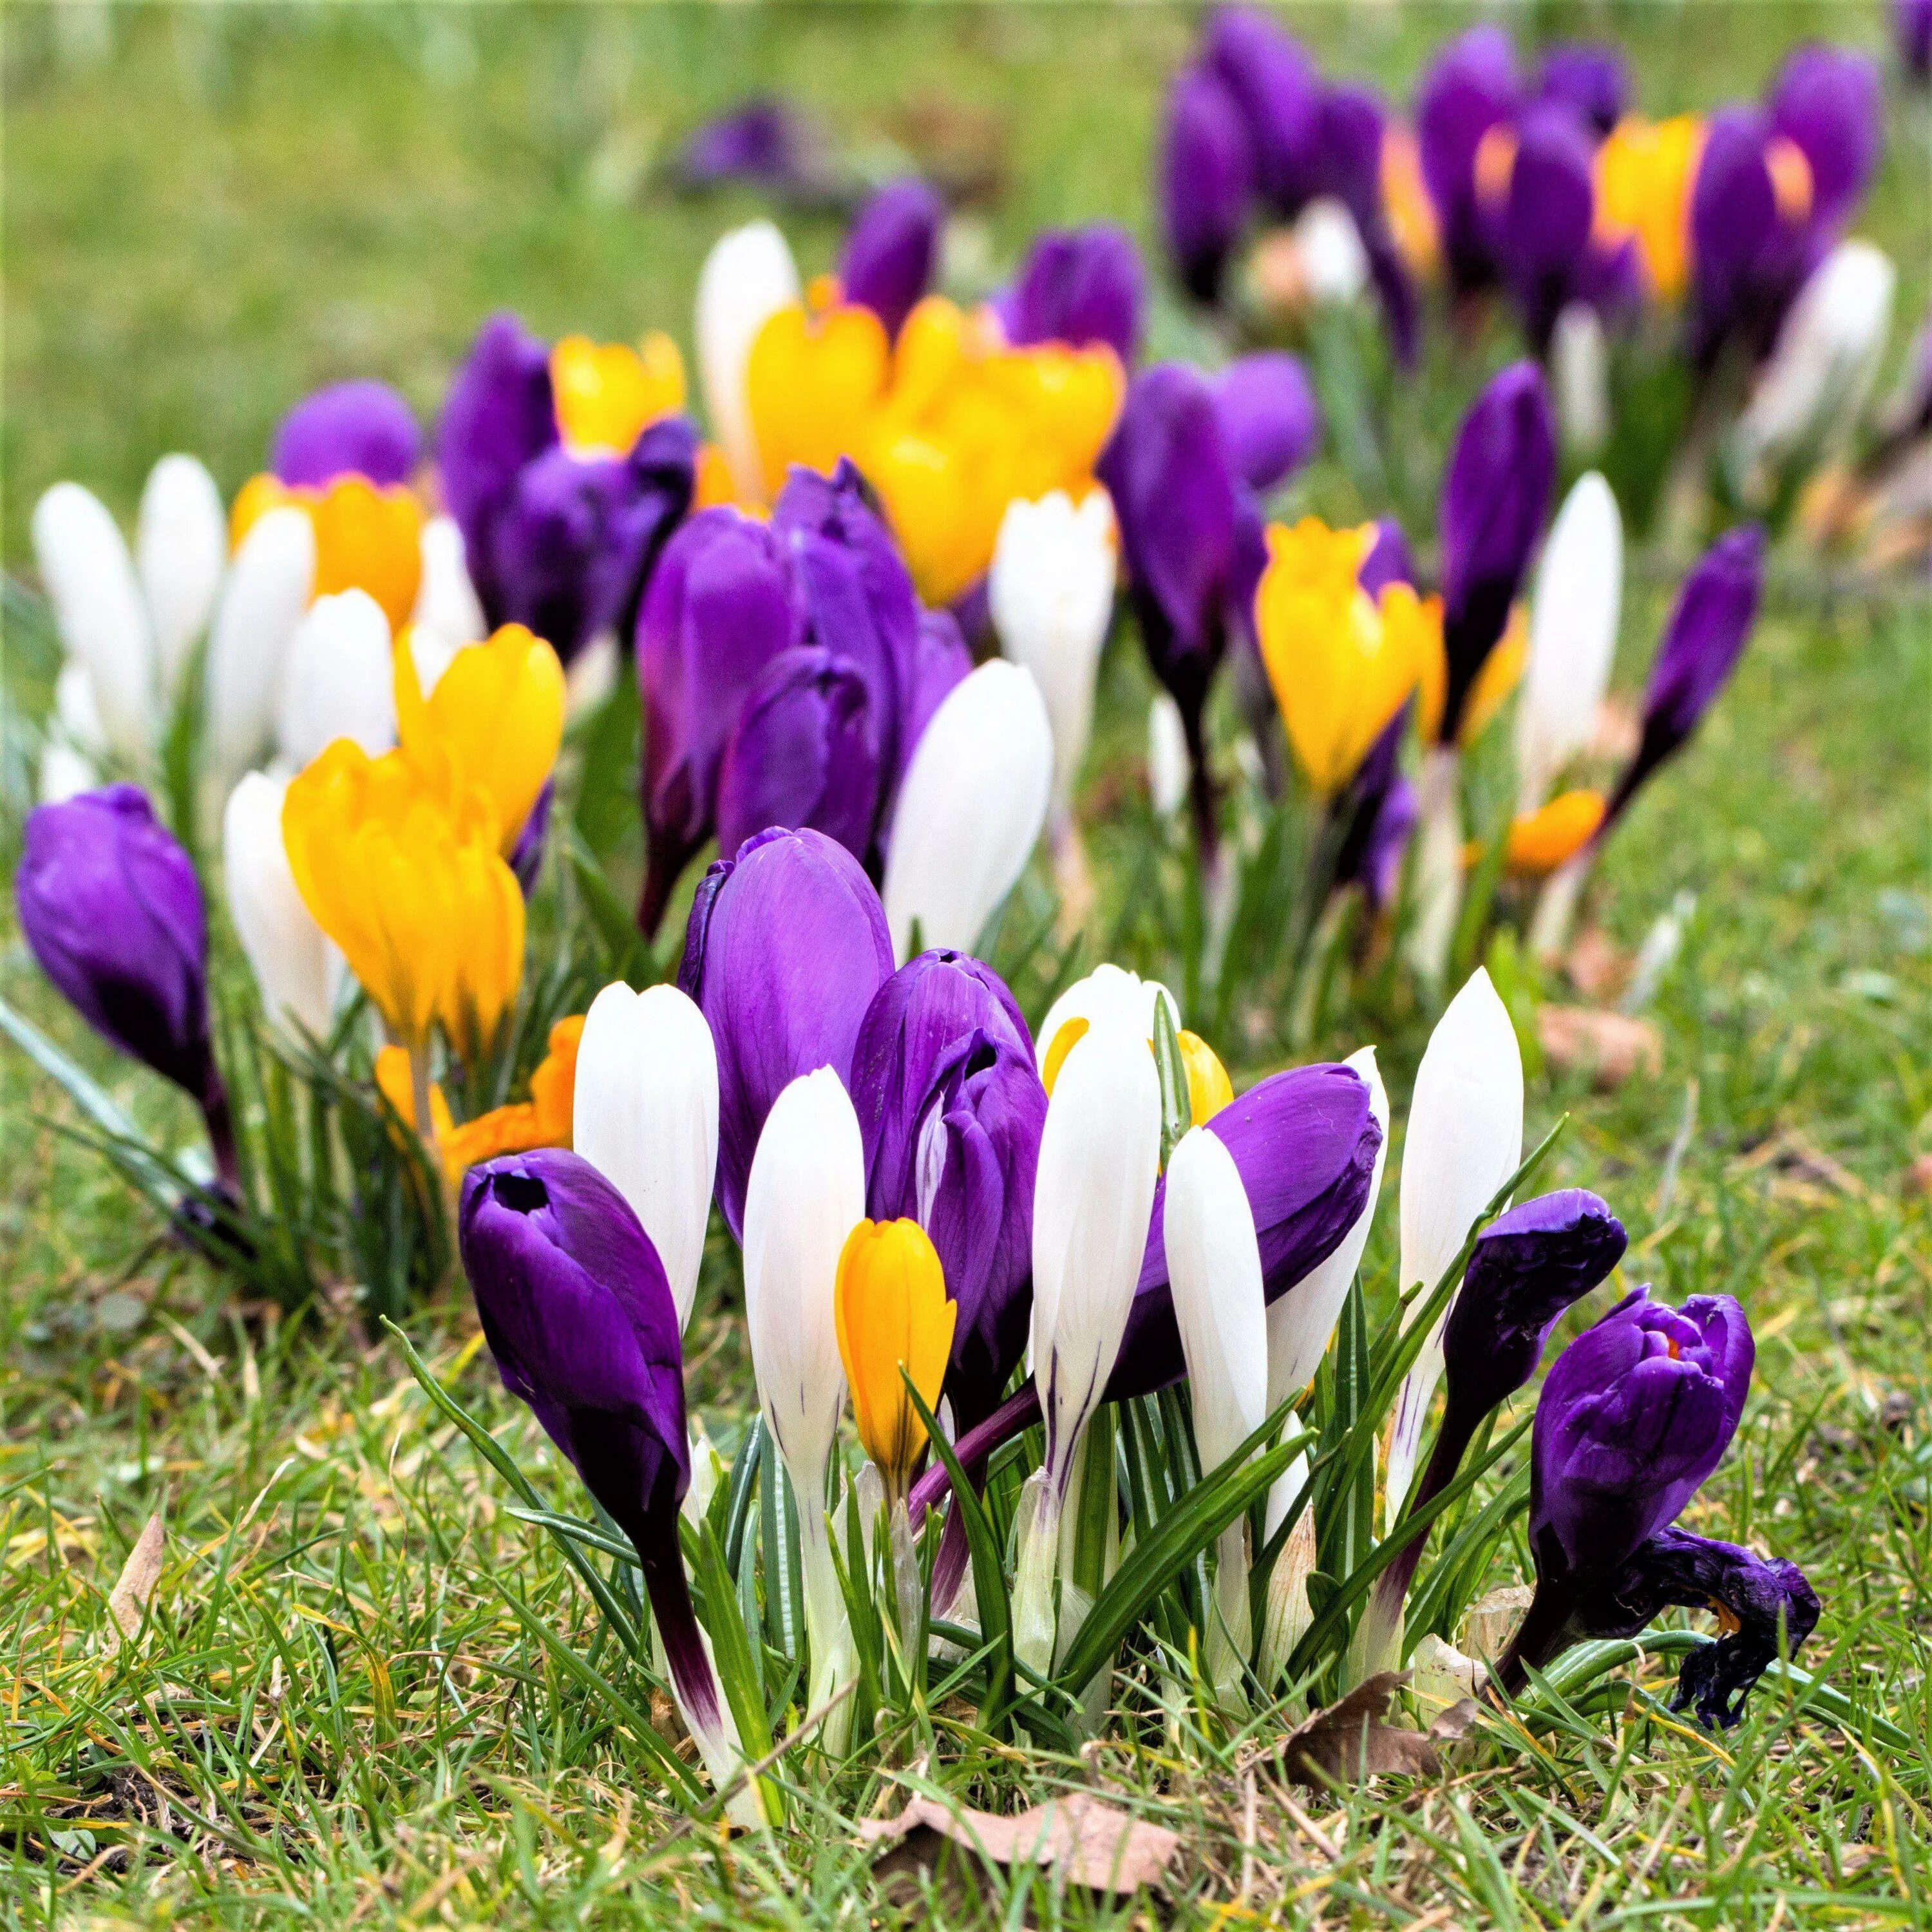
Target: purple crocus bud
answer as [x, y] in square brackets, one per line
[364, 429]
[764, 140]
[892, 251]
[1748, 257]
[801, 753]
[1271, 423]
[1470, 88]
[951, 1106]
[527, 856]
[1207, 176]
[1539, 227]
[109, 905]
[1078, 286]
[1351, 169]
[1829, 102]
[1701, 644]
[1591, 78]
[786, 946]
[940, 660]
[1912, 27]
[1496, 497]
[1279, 95]
[1764, 1603]
[722, 604]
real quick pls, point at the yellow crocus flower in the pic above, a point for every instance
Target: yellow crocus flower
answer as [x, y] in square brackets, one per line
[1209, 1089]
[1644, 171]
[495, 719]
[366, 538]
[812, 383]
[890, 1310]
[1555, 834]
[607, 393]
[1500, 674]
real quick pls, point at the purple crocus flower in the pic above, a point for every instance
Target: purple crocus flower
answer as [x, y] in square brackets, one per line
[580, 1321]
[892, 250]
[1078, 286]
[1591, 78]
[1828, 102]
[801, 753]
[786, 945]
[1379, 806]
[527, 856]
[1749, 257]
[1496, 497]
[1472, 88]
[1388, 560]
[1912, 29]
[109, 906]
[764, 141]
[1701, 643]
[361, 429]
[940, 660]
[1279, 95]
[1206, 178]
[1271, 423]
[1349, 156]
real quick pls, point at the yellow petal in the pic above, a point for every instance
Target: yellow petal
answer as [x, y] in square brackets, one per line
[1502, 671]
[1411, 213]
[608, 393]
[1645, 173]
[713, 485]
[394, 1081]
[1556, 833]
[367, 538]
[554, 1084]
[1209, 1089]
[811, 382]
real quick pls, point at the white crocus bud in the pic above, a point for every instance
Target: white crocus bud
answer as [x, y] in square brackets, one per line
[645, 1114]
[262, 601]
[747, 278]
[1439, 863]
[1051, 593]
[1214, 1268]
[806, 1193]
[181, 552]
[99, 612]
[1574, 612]
[1108, 993]
[446, 602]
[1167, 756]
[338, 680]
[970, 809]
[1099, 1158]
[1464, 1140]
[296, 968]
[1579, 375]
[1328, 248]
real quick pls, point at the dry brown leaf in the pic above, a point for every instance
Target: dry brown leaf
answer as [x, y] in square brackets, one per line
[1597, 966]
[1449, 1725]
[127, 1601]
[1085, 1840]
[1348, 1743]
[1610, 1047]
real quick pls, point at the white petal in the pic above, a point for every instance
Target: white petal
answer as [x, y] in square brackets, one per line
[645, 1115]
[76, 712]
[432, 653]
[262, 602]
[338, 679]
[970, 809]
[181, 550]
[65, 773]
[1334, 264]
[1108, 995]
[1167, 756]
[447, 602]
[747, 278]
[104, 625]
[296, 968]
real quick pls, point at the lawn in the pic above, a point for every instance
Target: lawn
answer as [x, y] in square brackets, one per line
[363, 1700]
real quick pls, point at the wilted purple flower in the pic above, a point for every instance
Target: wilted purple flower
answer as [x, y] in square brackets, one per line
[765, 141]
[1472, 88]
[361, 429]
[1828, 102]
[1589, 77]
[1496, 497]
[786, 945]
[1271, 423]
[1279, 95]
[1912, 27]
[892, 250]
[1079, 285]
[109, 906]
[1206, 178]
[526, 855]
[1701, 644]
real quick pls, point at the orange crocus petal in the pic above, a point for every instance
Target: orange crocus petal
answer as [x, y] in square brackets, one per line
[1790, 179]
[554, 1084]
[1405, 199]
[1549, 838]
[1495, 163]
[367, 538]
[393, 1082]
[607, 394]
[1502, 671]
[1209, 1089]
[1644, 171]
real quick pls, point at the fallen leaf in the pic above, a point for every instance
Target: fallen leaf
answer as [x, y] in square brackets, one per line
[1348, 1743]
[1597, 966]
[1493, 1619]
[1610, 1047]
[1441, 1678]
[127, 1601]
[1084, 1839]
[1448, 1726]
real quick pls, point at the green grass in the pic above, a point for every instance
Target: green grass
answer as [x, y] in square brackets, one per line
[337, 1717]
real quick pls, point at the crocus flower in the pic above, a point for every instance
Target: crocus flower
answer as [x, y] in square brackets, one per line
[1270, 422]
[747, 278]
[336, 680]
[764, 140]
[263, 598]
[786, 945]
[1912, 28]
[892, 250]
[1590, 78]
[296, 969]
[1206, 178]
[1078, 286]
[109, 906]
[940, 662]
[574, 1306]
[447, 608]
[1472, 88]
[1279, 96]
[1109, 993]
[1828, 102]
[805, 1194]
[367, 536]
[1644, 172]
[1167, 756]
[817, 376]
[349, 429]
[644, 1114]
[517, 1126]
[969, 810]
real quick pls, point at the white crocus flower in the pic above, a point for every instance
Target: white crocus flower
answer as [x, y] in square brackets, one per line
[446, 603]
[1579, 376]
[267, 591]
[1050, 592]
[747, 278]
[645, 1114]
[970, 809]
[1464, 1140]
[806, 1193]
[181, 552]
[337, 680]
[1328, 249]
[1214, 1268]
[1099, 1158]
[1573, 613]
[70, 759]
[296, 967]
[1108, 993]
[1167, 756]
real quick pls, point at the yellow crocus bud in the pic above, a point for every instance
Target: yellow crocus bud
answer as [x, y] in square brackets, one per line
[1554, 834]
[812, 383]
[607, 393]
[1644, 171]
[495, 719]
[891, 1312]
[1209, 1089]
[366, 538]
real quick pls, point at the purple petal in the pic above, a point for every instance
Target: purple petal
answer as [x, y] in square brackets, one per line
[362, 429]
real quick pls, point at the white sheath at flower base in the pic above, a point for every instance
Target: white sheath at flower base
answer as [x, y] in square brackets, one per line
[1167, 756]
[1050, 592]
[1464, 1140]
[337, 680]
[644, 1114]
[1574, 614]
[1108, 993]
[181, 552]
[1214, 1268]
[446, 600]
[970, 809]
[1099, 1158]
[806, 1193]
[262, 601]
[296, 968]
[747, 278]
